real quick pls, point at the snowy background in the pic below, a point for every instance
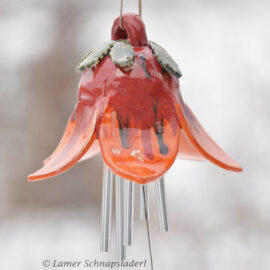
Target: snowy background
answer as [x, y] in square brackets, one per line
[218, 220]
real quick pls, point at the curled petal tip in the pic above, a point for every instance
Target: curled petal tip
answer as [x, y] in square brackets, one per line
[31, 178]
[235, 168]
[204, 144]
[78, 138]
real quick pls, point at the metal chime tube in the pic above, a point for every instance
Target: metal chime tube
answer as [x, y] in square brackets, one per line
[162, 204]
[106, 208]
[144, 202]
[129, 212]
[119, 212]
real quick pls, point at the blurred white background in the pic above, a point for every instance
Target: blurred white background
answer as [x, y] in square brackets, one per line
[218, 220]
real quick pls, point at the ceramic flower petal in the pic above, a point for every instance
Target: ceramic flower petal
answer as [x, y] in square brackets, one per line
[93, 151]
[76, 141]
[201, 140]
[80, 132]
[138, 153]
[187, 150]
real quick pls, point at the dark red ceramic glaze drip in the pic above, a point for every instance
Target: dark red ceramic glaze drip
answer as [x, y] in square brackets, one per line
[133, 29]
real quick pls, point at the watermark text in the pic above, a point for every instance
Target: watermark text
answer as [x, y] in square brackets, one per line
[87, 263]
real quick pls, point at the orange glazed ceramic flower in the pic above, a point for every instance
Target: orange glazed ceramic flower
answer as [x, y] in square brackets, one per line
[130, 109]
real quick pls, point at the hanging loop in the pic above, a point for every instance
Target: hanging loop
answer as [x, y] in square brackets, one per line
[121, 11]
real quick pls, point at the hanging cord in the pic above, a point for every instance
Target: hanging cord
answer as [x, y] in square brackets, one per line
[140, 7]
[148, 231]
[121, 11]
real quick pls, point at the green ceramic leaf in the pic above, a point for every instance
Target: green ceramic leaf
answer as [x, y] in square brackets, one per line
[93, 57]
[122, 53]
[165, 60]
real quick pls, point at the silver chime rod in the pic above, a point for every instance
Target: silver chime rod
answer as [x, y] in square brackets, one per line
[129, 212]
[119, 213]
[144, 202]
[106, 208]
[162, 204]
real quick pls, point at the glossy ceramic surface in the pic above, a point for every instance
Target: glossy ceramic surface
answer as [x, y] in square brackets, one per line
[134, 115]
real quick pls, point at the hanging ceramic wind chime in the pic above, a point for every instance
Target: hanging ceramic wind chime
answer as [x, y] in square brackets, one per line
[130, 109]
